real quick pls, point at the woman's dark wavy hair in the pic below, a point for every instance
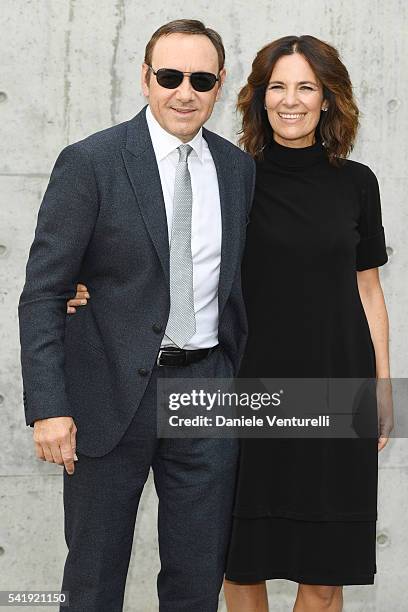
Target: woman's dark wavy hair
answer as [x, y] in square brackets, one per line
[337, 127]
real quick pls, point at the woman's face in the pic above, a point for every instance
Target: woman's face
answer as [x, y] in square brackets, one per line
[294, 101]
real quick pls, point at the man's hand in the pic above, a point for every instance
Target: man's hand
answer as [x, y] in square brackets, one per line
[55, 441]
[80, 299]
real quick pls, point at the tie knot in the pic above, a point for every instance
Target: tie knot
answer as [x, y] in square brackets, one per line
[184, 152]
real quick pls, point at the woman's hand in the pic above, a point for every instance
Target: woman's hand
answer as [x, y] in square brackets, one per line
[385, 411]
[80, 299]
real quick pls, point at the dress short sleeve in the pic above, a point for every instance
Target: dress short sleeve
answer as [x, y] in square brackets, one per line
[371, 251]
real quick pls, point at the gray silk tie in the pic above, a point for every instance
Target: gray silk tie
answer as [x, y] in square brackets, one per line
[181, 325]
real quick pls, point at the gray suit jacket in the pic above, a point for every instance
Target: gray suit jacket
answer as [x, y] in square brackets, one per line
[102, 222]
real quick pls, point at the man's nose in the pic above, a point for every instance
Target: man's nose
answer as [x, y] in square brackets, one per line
[185, 91]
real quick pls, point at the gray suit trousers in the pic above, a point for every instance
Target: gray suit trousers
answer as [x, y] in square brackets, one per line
[195, 482]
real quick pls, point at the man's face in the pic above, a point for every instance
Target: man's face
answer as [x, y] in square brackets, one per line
[183, 110]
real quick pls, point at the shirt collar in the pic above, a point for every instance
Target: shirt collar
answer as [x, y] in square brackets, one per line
[165, 143]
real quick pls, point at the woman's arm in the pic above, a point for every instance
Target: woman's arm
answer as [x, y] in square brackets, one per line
[372, 298]
[80, 299]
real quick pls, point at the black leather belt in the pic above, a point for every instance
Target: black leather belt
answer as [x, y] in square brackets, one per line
[173, 356]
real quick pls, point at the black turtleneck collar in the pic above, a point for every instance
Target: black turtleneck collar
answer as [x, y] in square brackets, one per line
[291, 157]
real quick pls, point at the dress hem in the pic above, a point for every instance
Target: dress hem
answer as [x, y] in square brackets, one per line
[248, 578]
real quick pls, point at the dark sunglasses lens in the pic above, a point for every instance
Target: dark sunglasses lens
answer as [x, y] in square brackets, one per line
[203, 81]
[170, 79]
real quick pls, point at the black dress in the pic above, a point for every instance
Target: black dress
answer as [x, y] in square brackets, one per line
[306, 509]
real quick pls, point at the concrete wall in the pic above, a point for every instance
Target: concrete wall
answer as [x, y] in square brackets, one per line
[71, 67]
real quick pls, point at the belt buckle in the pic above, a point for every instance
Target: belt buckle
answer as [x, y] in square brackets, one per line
[164, 349]
[158, 356]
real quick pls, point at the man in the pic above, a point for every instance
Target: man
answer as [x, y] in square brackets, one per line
[114, 202]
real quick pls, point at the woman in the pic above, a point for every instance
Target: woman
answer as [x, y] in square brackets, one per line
[315, 309]
[306, 508]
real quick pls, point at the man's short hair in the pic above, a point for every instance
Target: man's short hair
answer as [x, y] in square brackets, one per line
[186, 26]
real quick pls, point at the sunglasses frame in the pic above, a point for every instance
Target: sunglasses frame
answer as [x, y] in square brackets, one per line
[190, 74]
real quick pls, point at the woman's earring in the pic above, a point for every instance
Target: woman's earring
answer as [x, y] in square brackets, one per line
[324, 109]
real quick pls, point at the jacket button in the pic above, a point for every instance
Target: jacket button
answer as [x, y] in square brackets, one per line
[143, 372]
[157, 328]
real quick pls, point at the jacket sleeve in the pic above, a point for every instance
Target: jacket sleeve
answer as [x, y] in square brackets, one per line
[65, 224]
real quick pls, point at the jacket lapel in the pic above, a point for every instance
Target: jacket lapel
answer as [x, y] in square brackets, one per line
[143, 172]
[231, 213]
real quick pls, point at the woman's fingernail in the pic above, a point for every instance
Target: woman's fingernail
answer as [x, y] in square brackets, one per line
[75, 457]
[87, 295]
[83, 301]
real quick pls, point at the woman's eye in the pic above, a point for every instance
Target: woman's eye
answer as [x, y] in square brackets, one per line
[307, 87]
[275, 87]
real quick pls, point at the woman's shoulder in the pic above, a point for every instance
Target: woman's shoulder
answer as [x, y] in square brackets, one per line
[358, 171]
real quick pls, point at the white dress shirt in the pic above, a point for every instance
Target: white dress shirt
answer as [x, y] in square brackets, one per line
[205, 223]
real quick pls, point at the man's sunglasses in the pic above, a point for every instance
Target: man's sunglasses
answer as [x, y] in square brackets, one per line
[170, 79]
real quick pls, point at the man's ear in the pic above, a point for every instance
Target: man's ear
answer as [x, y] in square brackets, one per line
[144, 76]
[222, 77]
